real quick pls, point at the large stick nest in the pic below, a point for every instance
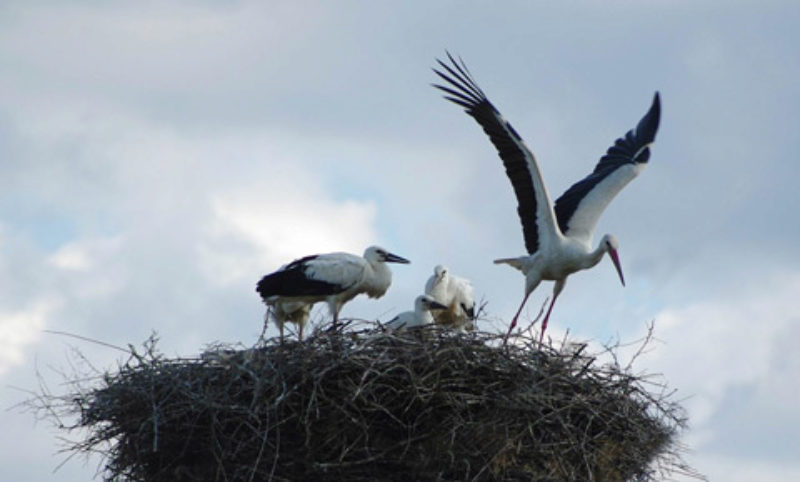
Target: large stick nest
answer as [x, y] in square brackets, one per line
[370, 405]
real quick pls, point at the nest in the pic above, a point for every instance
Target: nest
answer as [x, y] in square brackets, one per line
[375, 406]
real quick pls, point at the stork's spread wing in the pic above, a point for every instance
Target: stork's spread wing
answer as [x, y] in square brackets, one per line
[579, 208]
[534, 207]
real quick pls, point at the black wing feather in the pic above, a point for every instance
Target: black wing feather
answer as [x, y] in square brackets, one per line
[293, 281]
[464, 91]
[633, 148]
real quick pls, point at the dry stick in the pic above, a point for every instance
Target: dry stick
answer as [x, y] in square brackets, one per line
[648, 338]
[448, 391]
[91, 340]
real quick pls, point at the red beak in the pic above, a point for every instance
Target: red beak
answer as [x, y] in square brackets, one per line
[615, 258]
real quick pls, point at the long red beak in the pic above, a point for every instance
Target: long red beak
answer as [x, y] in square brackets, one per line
[615, 258]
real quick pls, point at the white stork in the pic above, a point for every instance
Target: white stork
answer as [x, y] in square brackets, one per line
[558, 238]
[297, 312]
[335, 278]
[421, 315]
[454, 292]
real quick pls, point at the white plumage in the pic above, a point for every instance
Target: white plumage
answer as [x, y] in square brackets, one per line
[421, 315]
[335, 278]
[456, 294]
[296, 312]
[557, 237]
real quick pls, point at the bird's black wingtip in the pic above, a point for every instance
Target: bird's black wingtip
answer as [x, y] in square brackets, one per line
[648, 126]
[656, 101]
[449, 56]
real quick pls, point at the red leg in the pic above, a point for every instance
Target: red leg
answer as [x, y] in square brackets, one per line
[547, 317]
[514, 320]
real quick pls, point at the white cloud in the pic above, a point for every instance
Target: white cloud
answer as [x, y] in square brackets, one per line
[734, 337]
[282, 221]
[19, 329]
[743, 469]
[82, 256]
[729, 356]
[166, 226]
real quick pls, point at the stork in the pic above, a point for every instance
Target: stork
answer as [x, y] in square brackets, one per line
[335, 278]
[558, 238]
[454, 292]
[297, 312]
[421, 315]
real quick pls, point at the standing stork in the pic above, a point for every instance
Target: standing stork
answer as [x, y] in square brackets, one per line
[454, 292]
[558, 238]
[335, 278]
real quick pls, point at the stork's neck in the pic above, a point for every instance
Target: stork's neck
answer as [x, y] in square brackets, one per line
[381, 270]
[377, 280]
[595, 256]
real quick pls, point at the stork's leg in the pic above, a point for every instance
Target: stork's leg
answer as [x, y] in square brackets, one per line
[280, 327]
[556, 291]
[546, 317]
[300, 331]
[270, 313]
[514, 320]
[266, 324]
[333, 309]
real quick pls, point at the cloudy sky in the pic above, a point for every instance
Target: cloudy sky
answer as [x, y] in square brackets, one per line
[156, 160]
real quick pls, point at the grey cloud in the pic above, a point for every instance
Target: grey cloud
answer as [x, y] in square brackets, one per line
[123, 123]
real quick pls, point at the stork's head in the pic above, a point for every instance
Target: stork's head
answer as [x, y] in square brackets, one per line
[376, 254]
[611, 245]
[439, 272]
[427, 303]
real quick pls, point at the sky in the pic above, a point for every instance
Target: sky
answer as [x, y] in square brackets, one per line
[157, 158]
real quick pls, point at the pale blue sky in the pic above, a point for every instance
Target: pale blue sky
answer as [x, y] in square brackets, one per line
[156, 160]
